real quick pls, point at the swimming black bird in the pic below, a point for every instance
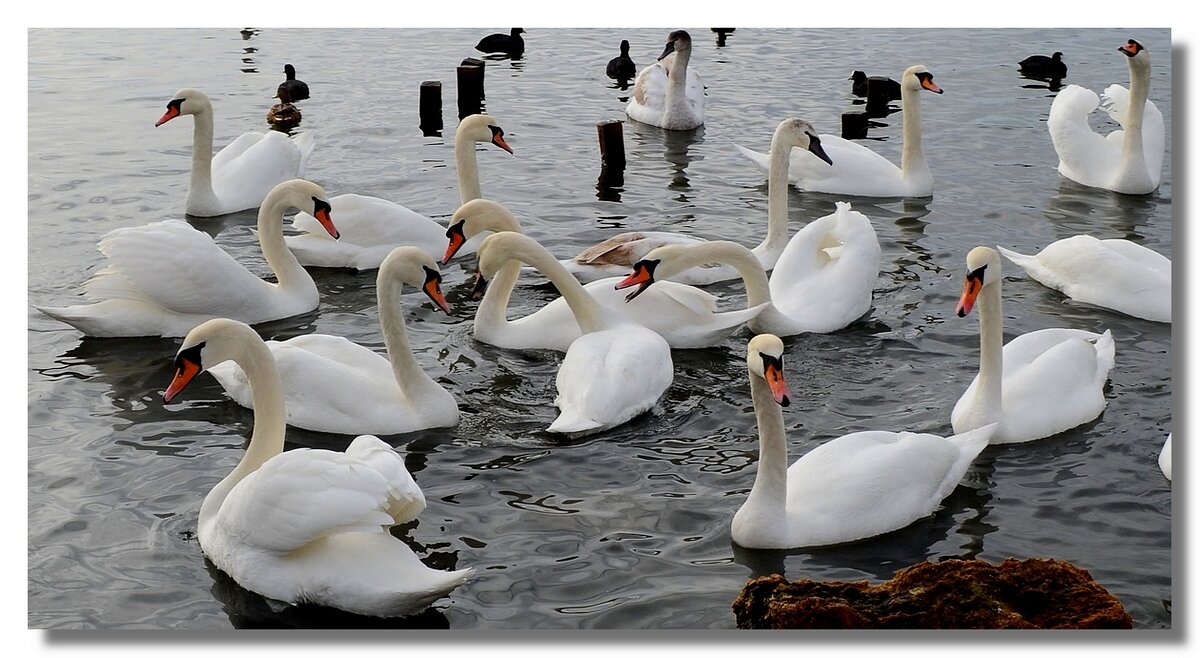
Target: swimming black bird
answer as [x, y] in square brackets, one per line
[1042, 66]
[296, 89]
[621, 68]
[510, 43]
[862, 83]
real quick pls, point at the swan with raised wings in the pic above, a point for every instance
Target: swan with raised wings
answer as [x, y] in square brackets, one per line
[307, 526]
[1040, 383]
[616, 255]
[371, 227]
[1128, 160]
[859, 171]
[241, 175]
[853, 487]
[1114, 273]
[822, 282]
[668, 93]
[616, 370]
[334, 385]
[164, 278]
[684, 315]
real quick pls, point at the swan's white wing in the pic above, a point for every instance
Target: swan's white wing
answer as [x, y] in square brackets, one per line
[406, 501]
[304, 494]
[608, 377]
[856, 169]
[257, 162]
[174, 266]
[1082, 152]
[649, 89]
[368, 228]
[625, 249]
[1115, 101]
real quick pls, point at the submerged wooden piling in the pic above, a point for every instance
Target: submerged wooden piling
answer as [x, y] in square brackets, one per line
[470, 87]
[612, 153]
[854, 125]
[431, 107]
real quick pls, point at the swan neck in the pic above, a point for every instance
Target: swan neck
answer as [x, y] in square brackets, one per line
[586, 309]
[769, 493]
[1139, 91]
[912, 157]
[493, 308]
[408, 372]
[202, 153]
[777, 197]
[758, 290]
[991, 350]
[280, 259]
[467, 168]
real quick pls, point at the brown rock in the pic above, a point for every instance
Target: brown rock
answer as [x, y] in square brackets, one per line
[1034, 593]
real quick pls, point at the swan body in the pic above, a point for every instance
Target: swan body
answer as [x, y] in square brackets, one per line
[1040, 383]
[371, 227]
[667, 93]
[1128, 160]
[334, 385]
[616, 255]
[307, 526]
[241, 174]
[821, 283]
[853, 487]
[164, 278]
[1116, 274]
[1164, 458]
[616, 370]
[859, 171]
[684, 315]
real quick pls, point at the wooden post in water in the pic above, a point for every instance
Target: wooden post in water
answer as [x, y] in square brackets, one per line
[431, 107]
[612, 153]
[877, 98]
[854, 125]
[470, 87]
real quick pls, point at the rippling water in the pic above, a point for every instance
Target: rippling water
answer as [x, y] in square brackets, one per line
[629, 528]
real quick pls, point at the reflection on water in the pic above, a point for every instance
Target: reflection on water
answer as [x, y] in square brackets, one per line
[1076, 208]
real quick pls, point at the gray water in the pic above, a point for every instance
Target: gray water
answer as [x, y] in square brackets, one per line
[628, 528]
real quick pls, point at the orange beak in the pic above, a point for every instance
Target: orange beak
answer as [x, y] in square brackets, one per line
[171, 113]
[642, 277]
[929, 84]
[498, 140]
[457, 240]
[433, 290]
[971, 287]
[322, 211]
[779, 388]
[185, 372]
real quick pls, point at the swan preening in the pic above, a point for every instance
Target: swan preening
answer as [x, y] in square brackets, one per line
[164, 278]
[333, 385]
[857, 170]
[241, 174]
[616, 370]
[1128, 160]
[1040, 383]
[685, 316]
[307, 526]
[1114, 273]
[667, 93]
[822, 282]
[616, 255]
[371, 227]
[853, 487]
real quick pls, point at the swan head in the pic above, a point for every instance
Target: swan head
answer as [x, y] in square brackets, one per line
[303, 195]
[678, 41]
[1137, 53]
[207, 344]
[413, 266]
[482, 128]
[475, 217]
[499, 248]
[657, 265]
[917, 77]
[764, 358]
[983, 269]
[796, 132]
[185, 101]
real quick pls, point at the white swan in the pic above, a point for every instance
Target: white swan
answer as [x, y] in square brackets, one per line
[859, 171]
[667, 93]
[855, 486]
[1040, 383]
[241, 174]
[307, 526]
[1164, 458]
[822, 282]
[684, 315]
[334, 385]
[616, 255]
[615, 371]
[1128, 160]
[371, 227]
[1116, 274]
[164, 278]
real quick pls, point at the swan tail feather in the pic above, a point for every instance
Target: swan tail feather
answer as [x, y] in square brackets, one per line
[305, 141]
[1106, 352]
[570, 421]
[761, 159]
[973, 442]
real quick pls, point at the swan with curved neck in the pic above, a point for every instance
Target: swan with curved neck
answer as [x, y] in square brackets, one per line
[616, 370]
[616, 255]
[822, 282]
[859, 171]
[667, 93]
[241, 175]
[1040, 383]
[852, 487]
[1128, 160]
[371, 227]
[685, 316]
[307, 526]
[334, 385]
[164, 278]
